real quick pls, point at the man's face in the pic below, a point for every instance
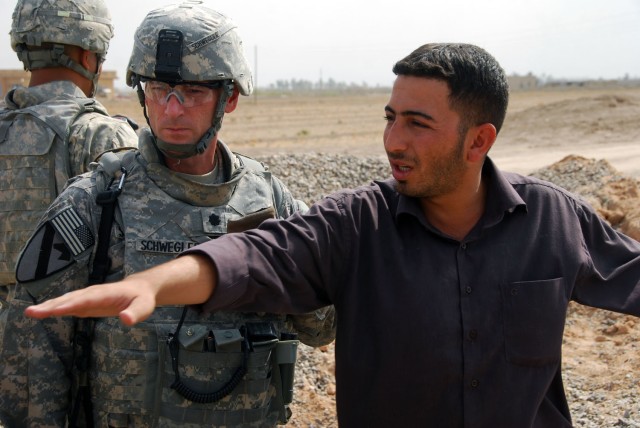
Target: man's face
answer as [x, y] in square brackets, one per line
[180, 115]
[422, 138]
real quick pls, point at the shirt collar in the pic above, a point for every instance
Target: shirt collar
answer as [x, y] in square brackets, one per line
[502, 198]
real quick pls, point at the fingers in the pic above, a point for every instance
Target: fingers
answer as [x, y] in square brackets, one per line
[98, 302]
[60, 306]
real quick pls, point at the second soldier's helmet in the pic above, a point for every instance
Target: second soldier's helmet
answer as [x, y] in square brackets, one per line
[86, 24]
[188, 42]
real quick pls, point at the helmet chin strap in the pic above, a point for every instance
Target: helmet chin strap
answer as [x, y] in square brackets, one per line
[183, 151]
[55, 57]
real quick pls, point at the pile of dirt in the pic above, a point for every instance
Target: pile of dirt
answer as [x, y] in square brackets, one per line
[615, 197]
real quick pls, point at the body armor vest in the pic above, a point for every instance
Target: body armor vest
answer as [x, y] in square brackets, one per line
[132, 369]
[27, 169]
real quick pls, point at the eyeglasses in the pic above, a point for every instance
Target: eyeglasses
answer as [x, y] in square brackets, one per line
[189, 95]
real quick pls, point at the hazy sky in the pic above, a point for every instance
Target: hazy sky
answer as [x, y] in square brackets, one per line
[359, 40]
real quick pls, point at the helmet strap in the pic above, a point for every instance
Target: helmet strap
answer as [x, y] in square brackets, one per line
[55, 57]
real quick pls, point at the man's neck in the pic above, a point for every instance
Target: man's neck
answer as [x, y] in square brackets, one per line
[48, 75]
[456, 214]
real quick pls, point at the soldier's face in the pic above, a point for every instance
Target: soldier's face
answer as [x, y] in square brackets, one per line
[175, 121]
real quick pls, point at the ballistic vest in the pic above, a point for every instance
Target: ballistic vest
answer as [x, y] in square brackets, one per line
[132, 369]
[29, 181]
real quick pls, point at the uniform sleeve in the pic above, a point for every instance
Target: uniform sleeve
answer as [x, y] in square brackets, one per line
[35, 359]
[315, 328]
[611, 279]
[286, 204]
[36, 355]
[93, 135]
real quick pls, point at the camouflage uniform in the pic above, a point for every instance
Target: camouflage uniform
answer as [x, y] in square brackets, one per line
[159, 214]
[50, 132]
[132, 375]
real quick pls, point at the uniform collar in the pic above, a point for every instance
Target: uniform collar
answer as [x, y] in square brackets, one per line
[179, 186]
[23, 97]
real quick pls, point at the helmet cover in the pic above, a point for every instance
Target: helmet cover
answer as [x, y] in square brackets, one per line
[86, 24]
[206, 42]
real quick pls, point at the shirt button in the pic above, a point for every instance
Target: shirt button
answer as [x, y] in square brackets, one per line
[463, 246]
[475, 383]
[514, 291]
[473, 335]
[468, 289]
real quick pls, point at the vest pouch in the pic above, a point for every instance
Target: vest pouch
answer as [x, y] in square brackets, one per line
[207, 360]
[285, 358]
[193, 337]
[132, 374]
[27, 187]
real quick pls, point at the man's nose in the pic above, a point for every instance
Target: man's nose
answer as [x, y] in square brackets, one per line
[174, 103]
[392, 138]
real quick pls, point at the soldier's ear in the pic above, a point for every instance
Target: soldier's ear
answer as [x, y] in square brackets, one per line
[90, 61]
[232, 102]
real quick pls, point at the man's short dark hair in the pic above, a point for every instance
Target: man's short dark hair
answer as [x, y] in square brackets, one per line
[478, 86]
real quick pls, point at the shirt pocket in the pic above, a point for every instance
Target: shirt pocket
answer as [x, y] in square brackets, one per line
[534, 316]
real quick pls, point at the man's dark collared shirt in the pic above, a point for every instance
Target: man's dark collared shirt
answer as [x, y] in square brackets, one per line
[433, 331]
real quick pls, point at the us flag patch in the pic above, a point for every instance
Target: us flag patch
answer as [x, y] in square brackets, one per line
[74, 232]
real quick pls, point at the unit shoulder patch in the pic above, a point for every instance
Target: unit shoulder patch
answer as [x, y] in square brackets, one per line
[54, 246]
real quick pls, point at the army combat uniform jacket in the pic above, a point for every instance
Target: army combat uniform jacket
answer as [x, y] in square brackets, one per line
[48, 134]
[159, 214]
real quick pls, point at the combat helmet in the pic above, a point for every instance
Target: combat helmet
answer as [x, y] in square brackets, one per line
[35, 23]
[189, 43]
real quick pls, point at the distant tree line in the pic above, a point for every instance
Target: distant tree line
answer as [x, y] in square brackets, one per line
[329, 85]
[526, 82]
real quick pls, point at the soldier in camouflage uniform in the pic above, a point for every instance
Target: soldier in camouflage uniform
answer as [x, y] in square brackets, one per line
[182, 186]
[53, 129]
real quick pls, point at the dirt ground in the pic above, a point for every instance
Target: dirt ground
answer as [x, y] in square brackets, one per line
[541, 126]
[602, 350]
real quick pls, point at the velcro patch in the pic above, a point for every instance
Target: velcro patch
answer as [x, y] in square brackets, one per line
[162, 246]
[74, 232]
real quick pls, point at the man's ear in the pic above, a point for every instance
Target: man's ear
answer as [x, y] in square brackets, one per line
[484, 136]
[232, 102]
[89, 60]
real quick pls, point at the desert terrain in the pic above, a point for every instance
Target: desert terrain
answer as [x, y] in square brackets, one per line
[601, 349]
[541, 127]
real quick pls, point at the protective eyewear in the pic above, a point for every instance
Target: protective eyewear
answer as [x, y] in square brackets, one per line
[187, 94]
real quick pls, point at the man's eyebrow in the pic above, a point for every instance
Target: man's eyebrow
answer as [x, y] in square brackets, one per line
[410, 113]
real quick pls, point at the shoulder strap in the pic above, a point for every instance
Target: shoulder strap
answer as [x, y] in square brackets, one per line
[107, 199]
[76, 107]
[83, 336]
[258, 166]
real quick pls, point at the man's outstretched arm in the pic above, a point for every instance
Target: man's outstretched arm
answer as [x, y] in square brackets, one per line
[190, 279]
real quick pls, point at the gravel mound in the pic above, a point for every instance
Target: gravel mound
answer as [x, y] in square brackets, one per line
[311, 176]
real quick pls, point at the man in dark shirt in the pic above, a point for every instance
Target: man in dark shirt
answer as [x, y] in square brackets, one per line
[451, 281]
